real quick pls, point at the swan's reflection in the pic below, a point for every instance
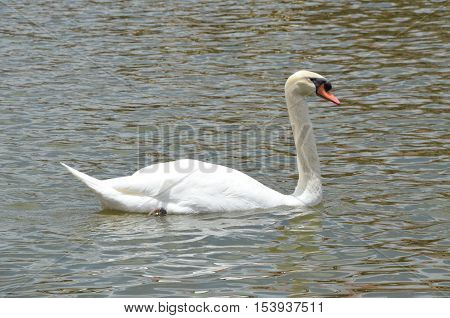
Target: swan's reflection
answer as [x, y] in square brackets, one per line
[251, 246]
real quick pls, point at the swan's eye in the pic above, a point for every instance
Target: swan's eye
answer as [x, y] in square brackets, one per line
[317, 81]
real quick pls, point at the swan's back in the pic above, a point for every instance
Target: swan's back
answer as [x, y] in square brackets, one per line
[194, 186]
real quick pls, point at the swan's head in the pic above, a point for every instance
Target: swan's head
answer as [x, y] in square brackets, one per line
[306, 83]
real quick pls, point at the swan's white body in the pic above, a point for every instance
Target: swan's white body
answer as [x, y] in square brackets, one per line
[185, 186]
[189, 186]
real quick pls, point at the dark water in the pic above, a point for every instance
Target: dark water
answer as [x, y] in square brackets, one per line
[79, 77]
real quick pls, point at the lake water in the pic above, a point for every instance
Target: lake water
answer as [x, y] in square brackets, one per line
[82, 81]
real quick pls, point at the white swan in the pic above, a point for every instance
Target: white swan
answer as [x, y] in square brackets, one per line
[189, 186]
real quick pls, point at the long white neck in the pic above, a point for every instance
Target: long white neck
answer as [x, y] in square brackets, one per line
[309, 187]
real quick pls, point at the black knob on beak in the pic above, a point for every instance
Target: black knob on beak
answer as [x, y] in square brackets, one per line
[319, 81]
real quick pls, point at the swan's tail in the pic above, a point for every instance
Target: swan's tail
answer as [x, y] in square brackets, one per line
[113, 199]
[98, 186]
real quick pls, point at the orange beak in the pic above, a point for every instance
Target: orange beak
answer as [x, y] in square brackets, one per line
[327, 95]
